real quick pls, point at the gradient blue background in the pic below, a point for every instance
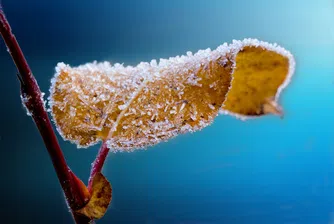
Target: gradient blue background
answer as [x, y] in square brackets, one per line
[266, 170]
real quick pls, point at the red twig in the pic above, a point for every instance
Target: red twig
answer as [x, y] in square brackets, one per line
[97, 165]
[32, 98]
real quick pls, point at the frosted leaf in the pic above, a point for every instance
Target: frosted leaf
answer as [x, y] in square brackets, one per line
[135, 107]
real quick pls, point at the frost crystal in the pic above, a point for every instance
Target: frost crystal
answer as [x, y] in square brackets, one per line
[25, 100]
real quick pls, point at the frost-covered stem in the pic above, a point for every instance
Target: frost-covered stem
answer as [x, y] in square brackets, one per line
[97, 165]
[33, 100]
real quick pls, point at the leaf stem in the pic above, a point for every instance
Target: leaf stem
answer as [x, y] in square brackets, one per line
[98, 163]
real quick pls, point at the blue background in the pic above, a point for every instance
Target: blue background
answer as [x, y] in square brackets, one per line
[266, 170]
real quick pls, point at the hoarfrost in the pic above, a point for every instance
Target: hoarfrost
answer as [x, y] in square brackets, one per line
[25, 100]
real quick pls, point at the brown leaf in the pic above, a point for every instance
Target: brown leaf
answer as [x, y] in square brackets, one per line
[135, 107]
[100, 198]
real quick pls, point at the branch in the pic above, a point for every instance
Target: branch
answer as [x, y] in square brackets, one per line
[33, 100]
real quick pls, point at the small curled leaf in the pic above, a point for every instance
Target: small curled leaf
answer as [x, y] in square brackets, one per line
[101, 193]
[135, 107]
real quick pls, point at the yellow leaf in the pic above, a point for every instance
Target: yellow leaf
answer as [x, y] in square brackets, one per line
[134, 107]
[100, 198]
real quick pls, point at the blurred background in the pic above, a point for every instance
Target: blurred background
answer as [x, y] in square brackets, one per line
[265, 170]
